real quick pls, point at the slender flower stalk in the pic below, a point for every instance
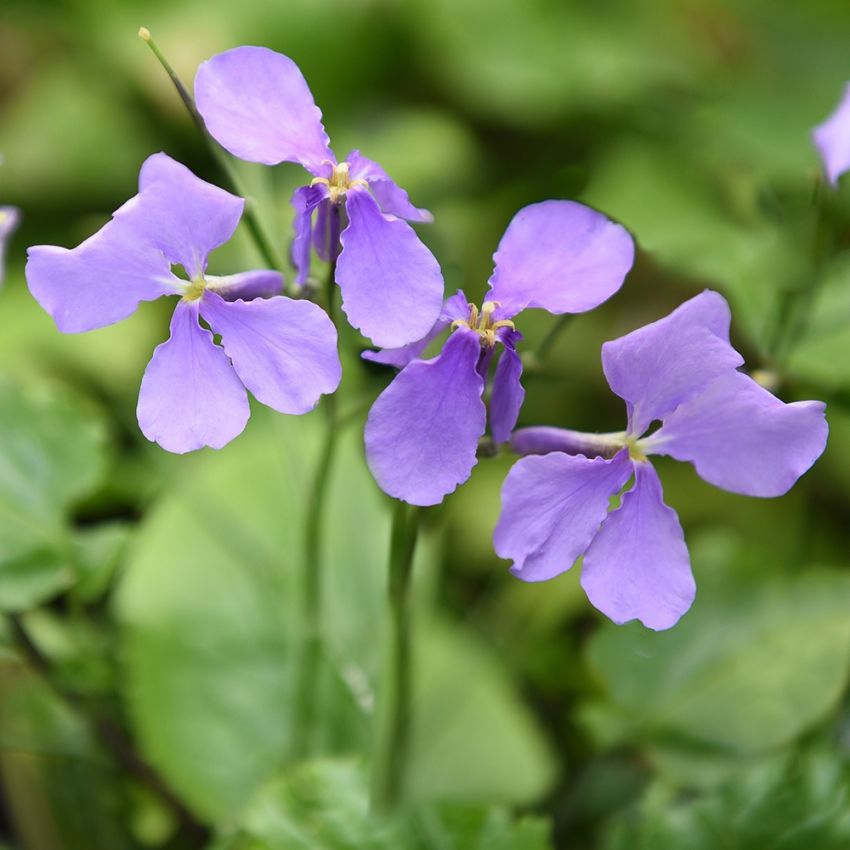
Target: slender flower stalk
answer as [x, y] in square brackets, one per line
[394, 719]
[311, 651]
[229, 174]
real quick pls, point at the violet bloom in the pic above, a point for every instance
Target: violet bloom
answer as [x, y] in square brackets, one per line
[193, 393]
[832, 139]
[9, 218]
[257, 105]
[423, 430]
[682, 371]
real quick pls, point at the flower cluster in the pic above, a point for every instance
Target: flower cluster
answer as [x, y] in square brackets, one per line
[423, 431]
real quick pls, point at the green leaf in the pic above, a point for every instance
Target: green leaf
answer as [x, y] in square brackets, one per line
[788, 803]
[209, 605]
[473, 739]
[324, 805]
[749, 668]
[52, 453]
[820, 354]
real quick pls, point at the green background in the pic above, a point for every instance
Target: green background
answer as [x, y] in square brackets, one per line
[162, 591]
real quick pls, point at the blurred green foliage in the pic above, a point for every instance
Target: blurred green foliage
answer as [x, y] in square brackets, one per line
[153, 704]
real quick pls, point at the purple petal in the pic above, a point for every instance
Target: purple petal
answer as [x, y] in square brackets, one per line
[560, 256]
[400, 357]
[637, 567]
[391, 197]
[256, 104]
[422, 432]
[305, 200]
[541, 439]
[100, 281]
[327, 230]
[742, 438]
[455, 307]
[246, 286]
[659, 366]
[190, 395]
[552, 507]
[283, 350]
[9, 217]
[507, 397]
[183, 216]
[392, 288]
[832, 139]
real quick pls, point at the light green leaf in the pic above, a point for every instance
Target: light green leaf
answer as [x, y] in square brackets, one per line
[748, 668]
[51, 454]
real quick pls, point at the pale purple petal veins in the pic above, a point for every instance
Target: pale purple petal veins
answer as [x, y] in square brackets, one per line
[305, 200]
[246, 286]
[422, 431]
[659, 366]
[100, 281]
[9, 217]
[257, 105]
[552, 506]
[638, 567]
[283, 350]
[390, 197]
[560, 256]
[392, 287]
[742, 438]
[832, 139]
[190, 395]
[507, 396]
[183, 216]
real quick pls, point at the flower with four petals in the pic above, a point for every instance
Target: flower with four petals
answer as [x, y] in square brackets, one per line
[681, 371]
[193, 393]
[257, 105]
[423, 430]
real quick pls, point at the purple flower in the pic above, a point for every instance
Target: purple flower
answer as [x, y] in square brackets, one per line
[682, 371]
[423, 430]
[193, 391]
[9, 217]
[257, 105]
[832, 139]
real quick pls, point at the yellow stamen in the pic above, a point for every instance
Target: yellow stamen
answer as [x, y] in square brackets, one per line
[482, 323]
[194, 289]
[339, 182]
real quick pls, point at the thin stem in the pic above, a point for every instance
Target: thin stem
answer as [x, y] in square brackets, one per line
[551, 337]
[307, 693]
[230, 177]
[110, 734]
[394, 732]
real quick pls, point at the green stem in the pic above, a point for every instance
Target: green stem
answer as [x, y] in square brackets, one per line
[394, 732]
[552, 337]
[231, 178]
[307, 693]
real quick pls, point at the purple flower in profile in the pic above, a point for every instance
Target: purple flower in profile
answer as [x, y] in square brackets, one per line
[193, 393]
[682, 371]
[9, 217]
[832, 139]
[257, 105]
[423, 430]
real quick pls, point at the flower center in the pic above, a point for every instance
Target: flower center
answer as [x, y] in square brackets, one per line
[194, 289]
[339, 182]
[635, 449]
[482, 323]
